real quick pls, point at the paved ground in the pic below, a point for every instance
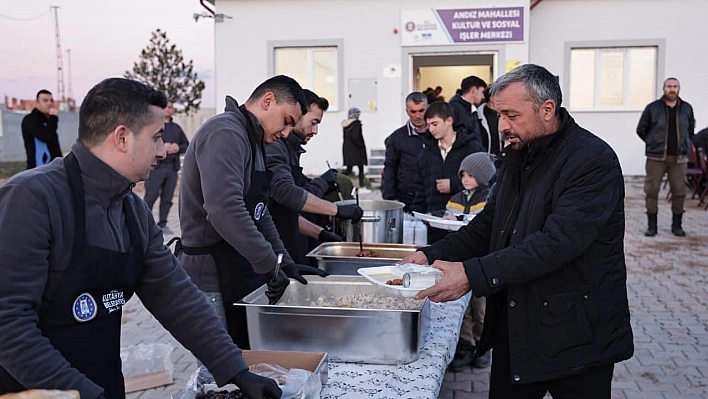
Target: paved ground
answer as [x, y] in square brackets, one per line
[668, 295]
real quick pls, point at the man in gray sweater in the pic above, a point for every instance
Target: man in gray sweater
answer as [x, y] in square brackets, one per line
[76, 243]
[229, 242]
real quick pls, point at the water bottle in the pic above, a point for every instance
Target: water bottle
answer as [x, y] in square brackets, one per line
[421, 280]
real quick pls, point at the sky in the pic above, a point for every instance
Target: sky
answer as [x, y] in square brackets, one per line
[105, 38]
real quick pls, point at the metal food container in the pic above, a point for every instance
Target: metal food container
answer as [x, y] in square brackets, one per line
[341, 257]
[382, 222]
[375, 336]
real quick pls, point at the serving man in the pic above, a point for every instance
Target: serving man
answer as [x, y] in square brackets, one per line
[547, 251]
[229, 242]
[292, 192]
[76, 243]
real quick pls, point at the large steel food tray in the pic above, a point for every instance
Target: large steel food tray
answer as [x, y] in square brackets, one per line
[341, 257]
[377, 336]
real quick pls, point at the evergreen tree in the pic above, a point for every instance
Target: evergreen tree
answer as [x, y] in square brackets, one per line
[162, 67]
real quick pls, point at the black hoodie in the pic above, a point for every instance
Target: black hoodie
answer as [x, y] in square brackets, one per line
[464, 117]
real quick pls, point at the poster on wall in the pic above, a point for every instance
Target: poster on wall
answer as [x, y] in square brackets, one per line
[427, 27]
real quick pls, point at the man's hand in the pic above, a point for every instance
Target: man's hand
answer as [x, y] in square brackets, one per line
[417, 257]
[256, 387]
[330, 177]
[328, 236]
[171, 148]
[276, 287]
[350, 211]
[296, 271]
[443, 185]
[54, 111]
[454, 284]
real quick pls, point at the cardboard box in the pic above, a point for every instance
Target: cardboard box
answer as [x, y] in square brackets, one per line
[315, 362]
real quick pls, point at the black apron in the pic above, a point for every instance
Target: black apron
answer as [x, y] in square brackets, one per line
[286, 220]
[236, 275]
[81, 308]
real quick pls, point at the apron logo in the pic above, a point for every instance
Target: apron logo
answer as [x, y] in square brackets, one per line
[113, 300]
[84, 308]
[258, 212]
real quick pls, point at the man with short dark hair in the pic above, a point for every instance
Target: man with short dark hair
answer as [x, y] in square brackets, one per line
[402, 149]
[163, 180]
[229, 244]
[464, 105]
[86, 243]
[39, 131]
[292, 192]
[547, 251]
[666, 126]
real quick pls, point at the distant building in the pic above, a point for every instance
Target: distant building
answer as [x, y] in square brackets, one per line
[611, 57]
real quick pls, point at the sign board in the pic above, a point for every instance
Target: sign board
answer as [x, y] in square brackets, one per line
[426, 27]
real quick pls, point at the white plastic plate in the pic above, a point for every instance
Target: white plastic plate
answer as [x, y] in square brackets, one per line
[451, 225]
[380, 274]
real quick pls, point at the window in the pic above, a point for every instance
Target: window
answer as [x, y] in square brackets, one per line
[621, 78]
[315, 68]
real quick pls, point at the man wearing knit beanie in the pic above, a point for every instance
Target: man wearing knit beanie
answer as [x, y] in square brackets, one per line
[476, 172]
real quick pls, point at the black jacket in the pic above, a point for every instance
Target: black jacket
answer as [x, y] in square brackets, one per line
[463, 116]
[548, 251]
[354, 147]
[431, 167]
[173, 133]
[700, 140]
[402, 150]
[653, 129]
[37, 126]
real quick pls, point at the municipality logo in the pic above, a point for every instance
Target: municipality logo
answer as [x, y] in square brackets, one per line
[258, 212]
[84, 308]
[113, 301]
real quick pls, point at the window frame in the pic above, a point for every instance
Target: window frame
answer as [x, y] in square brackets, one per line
[338, 44]
[659, 44]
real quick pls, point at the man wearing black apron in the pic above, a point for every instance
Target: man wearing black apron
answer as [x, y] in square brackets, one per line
[229, 244]
[75, 245]
[292, 192]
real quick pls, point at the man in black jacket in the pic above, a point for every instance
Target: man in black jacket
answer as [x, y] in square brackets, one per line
[39, 131]
[464, 106]
[163, 180]
[402, 149]
[547, 251]
[666, 126]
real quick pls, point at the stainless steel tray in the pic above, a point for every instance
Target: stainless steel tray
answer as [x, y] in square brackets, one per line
[341, 257]
[376, 336]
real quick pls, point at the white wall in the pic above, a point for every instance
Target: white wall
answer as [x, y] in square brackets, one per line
[678, 23]
[366, 28]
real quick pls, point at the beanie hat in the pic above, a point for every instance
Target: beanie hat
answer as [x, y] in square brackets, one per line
[354, 113]
[480, 166]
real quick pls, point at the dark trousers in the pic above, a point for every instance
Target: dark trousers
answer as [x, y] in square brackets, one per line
[595, 383]
[162, 183]
[676, 173]
[349, 171]
[406, 199]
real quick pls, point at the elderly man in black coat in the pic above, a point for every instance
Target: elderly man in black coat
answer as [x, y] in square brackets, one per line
[547, 251]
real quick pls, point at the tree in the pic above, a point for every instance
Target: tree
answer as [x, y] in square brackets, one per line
[162, 67]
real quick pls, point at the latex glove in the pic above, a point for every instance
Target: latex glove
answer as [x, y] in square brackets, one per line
[255, 386]
[328, 236]
[276, 287]
[296, 271]
[330, 177]
[350, 211]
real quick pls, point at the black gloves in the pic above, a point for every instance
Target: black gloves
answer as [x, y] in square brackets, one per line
[350, 211]
[276, 288]
[296, 271]
[256, 387]
[328, 236]
[330, 177]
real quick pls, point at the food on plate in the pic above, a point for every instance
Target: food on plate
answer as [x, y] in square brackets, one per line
[395, 281]
[221, 395]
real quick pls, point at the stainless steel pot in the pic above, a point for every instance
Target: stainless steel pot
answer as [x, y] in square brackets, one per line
[382, 222]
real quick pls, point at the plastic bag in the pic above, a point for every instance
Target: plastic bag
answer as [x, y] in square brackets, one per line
[295, 383]
[146, 359]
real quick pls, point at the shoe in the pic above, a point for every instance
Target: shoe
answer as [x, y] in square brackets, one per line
[651, 222]
[482, 361]
[166, 230]
[676, 228]
[464, 355]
